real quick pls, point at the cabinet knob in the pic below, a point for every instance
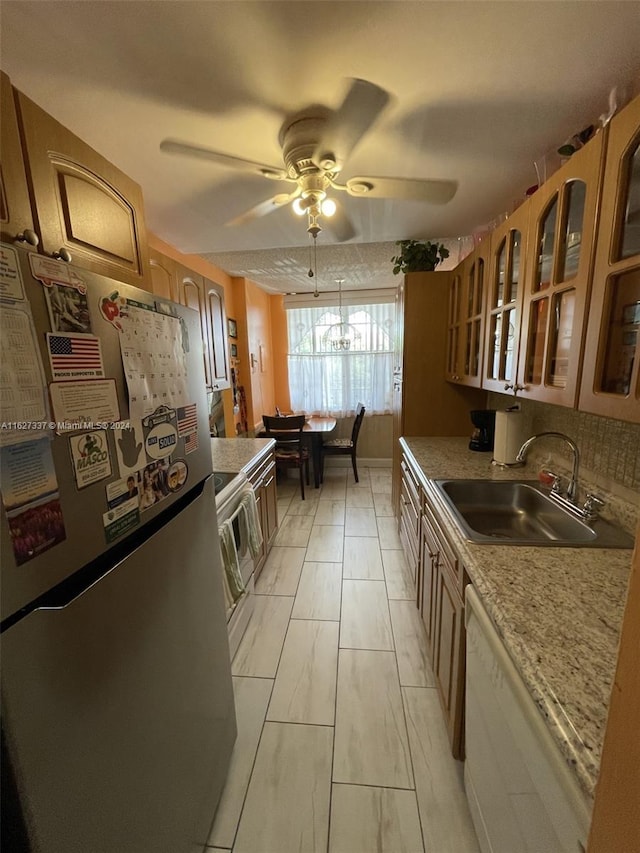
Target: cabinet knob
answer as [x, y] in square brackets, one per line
[62, 255]
[517, 388]
[508, 386]
[27, 236]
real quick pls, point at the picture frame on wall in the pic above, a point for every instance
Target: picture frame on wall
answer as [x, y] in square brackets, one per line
[234, 351]
[233, 328]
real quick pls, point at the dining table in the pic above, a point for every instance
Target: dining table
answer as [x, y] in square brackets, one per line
[316, 427]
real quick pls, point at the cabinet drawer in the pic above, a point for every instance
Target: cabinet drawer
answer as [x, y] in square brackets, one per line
[410, 477]
[448, 556]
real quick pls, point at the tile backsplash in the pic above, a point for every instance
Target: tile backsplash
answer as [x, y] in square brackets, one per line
[609, 449]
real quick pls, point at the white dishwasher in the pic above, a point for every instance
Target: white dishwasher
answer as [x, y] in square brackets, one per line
[522, 795]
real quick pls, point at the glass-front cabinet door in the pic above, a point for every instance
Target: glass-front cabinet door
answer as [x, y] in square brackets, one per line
[453, 327]
[465, 331]
[504, 306]
[611, 374]
[557, 281]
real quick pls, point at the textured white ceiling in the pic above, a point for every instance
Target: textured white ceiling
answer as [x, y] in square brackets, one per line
[480, 90]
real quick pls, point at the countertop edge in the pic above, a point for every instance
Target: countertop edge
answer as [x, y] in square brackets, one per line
[233, 455]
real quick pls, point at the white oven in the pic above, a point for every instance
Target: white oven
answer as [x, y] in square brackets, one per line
[237, 529]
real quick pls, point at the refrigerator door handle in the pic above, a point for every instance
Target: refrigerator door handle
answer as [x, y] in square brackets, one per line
[72, 588]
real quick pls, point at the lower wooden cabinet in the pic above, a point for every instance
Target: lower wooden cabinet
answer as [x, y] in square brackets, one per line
[439, 581]
[409, 522]
[442, 608]
[263, 479]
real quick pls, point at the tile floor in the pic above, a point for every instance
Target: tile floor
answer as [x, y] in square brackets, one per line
[341, 744]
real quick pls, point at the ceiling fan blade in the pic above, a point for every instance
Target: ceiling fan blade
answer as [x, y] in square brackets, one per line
[340, 225]
[264, 208]
[175, 146]
[435, 192]
[348, 124]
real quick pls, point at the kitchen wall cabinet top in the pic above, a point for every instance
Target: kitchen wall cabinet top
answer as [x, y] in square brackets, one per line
[84, 207]
[563, 219]
[611, 373]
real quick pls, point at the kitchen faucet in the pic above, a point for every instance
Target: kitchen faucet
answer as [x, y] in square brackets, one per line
[572, 488]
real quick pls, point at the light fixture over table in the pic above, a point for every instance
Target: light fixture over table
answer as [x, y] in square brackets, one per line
[340, 336]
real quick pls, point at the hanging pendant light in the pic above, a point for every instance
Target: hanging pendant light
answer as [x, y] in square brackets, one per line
[340, 336]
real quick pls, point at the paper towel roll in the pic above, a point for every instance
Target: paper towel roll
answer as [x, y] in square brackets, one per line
[510, 435]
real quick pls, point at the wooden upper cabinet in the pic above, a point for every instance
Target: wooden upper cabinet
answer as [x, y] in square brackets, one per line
[453, 369]
[611, 373]
[16, 217]
[207, 298]
[465, 331]
[192, 293]
[83, 204]
[164, 275]
[217, 319]
[558, 272]
[504, 302]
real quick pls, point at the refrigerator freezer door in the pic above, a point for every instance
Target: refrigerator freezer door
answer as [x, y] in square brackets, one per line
[118, 708]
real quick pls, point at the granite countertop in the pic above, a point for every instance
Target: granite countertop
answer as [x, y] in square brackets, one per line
[232, 455]
[558, 610]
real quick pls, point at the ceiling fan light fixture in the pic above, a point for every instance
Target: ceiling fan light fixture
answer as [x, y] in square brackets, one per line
[298, 208]
[328, 207]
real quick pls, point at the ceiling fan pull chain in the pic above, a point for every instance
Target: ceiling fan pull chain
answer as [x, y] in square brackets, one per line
[310, 273]
[315, 265]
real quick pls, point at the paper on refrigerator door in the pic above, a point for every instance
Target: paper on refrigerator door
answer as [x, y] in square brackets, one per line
[154, 361]
[23, 403]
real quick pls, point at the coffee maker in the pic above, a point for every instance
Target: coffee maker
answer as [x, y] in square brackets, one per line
[484, 422]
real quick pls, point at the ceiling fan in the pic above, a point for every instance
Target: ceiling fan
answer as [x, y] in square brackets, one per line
[316, 142]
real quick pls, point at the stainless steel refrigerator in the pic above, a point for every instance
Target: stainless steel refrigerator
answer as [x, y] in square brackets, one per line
[117, 707]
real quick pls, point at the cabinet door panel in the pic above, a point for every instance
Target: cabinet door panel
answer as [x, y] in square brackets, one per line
[217, 318]
[504, 301]
[93, 215]
[465, 330]
[15, 205]
[83, 203]
[270, 505]
[164, 280]
[191, 292]
[448, 661]
[611, 374]
[558, 277]
[429, 563]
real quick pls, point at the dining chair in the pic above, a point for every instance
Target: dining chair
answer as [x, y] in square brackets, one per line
[290, 451]
[344, 446]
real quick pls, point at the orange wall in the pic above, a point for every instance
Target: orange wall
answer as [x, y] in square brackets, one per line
[280, 339]
[255, 349]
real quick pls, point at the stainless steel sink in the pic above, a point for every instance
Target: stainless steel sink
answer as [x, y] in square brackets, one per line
[512, 512]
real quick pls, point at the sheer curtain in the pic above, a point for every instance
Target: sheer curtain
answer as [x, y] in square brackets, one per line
[326, 381]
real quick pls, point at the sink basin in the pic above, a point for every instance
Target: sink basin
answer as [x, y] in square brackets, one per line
[512, 512]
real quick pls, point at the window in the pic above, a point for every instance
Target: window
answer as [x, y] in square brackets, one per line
[329, 381]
